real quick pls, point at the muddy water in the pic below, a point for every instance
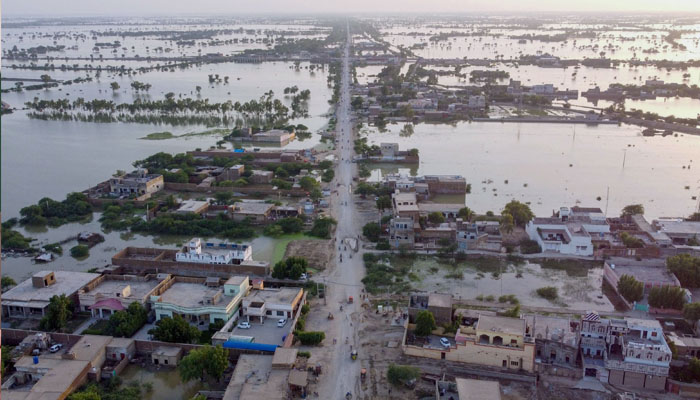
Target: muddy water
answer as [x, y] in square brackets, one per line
[578, 289]
[554, 165]
[166, 382]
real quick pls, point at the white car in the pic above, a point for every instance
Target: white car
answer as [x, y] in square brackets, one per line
[444, 342]
[281, 323]
[304, 277]
[244, 325]
[55, 347]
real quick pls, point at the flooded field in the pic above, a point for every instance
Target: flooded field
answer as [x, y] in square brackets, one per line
[579, 287]
[554, 165]
[166, 383]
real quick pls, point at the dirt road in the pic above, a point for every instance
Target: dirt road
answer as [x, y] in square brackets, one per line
[343, 277]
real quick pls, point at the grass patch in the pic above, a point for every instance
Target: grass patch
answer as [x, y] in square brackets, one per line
[573, 268]
[169, 135]
[159, 136]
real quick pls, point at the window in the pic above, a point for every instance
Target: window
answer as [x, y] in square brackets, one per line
[653, 334]
[513, 363]
[280, 313]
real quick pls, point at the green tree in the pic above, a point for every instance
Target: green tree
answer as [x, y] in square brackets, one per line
[58, 312]
[175, 330]
[400, 374]
[114, 86]
[308, 183]
[223, 198]
[691, 312]
[630, 288]
[7, 282]
[465, 213]
[383, 203]
[206, 361]
[273, 230]
[79, 251]
[632, 209]
[548, 292]
[291, 268]
[436, 217]
[371, 231]
[686, 268]
[520, 212]
[425, 323]
[671, 297]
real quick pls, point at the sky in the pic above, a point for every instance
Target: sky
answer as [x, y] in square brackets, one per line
[49, 8]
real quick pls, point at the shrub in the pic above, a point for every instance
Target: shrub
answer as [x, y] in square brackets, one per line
[371, 231]
[310, 338]
[399, 374]
[528, 246]
[630, 288]
[79, 251]
[305, 354]
[291, 268]
[425, 323]
[686, 268]
[383, 245]
[305, 309]
[548, 292]
[667, 297]
[630, 241]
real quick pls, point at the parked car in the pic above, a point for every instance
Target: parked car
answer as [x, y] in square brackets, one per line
[444, 342]
[304, 277]
[244, 325]
[281, 323]
[55, 347]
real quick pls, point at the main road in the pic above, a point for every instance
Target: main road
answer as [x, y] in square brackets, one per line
[341, 374]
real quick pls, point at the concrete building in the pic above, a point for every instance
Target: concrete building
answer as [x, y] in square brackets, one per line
[679, 231]
[260, 177]
[570, 232]
[274, 136]
[193, 207]
[272, 303]
[201, 301]
[491, 341]
[255, 211]
[402, 232]
[111, 293]
[139, 182]
[476, 101]
[440, 305]
[266, 383]
[405, 205]
[29, 299]
[686, 346]
[166, 355]
[652, 273]
[389, 150]
[212, 253]
[556, 340]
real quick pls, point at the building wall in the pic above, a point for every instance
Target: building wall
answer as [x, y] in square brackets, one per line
[492, 356]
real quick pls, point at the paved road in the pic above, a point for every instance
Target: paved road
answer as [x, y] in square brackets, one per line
[342, 374]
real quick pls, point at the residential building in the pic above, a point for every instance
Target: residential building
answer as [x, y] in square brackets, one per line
[260, 177]
[686, 345]
[214, 253]
[255, 211]
[389, 150]
[267, 382]
[556, 340]
[274, 136]
[201, 301]
[30, 298]
[166, 355]
[440, 305]
[192, 207]
[569, 232]
[679, 231]
[111, 293]
[272, 303]
[139, 182]
[476, 102]
[405, 205]
[401, 232]
[652, 273]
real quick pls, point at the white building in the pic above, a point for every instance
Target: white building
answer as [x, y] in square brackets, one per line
[570, 232]
[213, 253]
[476, 102]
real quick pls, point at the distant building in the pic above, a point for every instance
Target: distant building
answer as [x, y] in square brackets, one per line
[570, 232]
[139, 182]
[274, 136]
[261, 177]
[679, 231]
[193, 207]
[651, 273]
[556, 340]
[272, 303]
[29, 299]
[211, 253]
[401, 232]
[255, 211]
[111, 293]
[389, 150]
[440, 305]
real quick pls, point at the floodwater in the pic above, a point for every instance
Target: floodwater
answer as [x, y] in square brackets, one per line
[166, 382]
[555, 165]
[578, 289]
[20, 268]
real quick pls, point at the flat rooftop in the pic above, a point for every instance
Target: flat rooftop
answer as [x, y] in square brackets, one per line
[67, 282]
[439, 207]
[553, 328]
[254, 379]
[675, 227]
[191, 205]
[109, 288]
[168, 351]
[247, 207]
[646, 273]
[62, 374]
[439, 300]
[191, 295]
[277, 296]
[511, 326]
[89, 346]
[236, 280]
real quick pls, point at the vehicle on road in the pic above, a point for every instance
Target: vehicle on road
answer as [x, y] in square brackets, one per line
[244, 325]
[353, 355]
[330, 316]
[55, 347]
[444, 342]
[350, 300]
[282, 322]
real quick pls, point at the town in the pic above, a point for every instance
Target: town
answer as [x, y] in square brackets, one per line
[292, 250]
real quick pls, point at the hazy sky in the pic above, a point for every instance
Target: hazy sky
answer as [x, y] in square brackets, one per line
[168, 7]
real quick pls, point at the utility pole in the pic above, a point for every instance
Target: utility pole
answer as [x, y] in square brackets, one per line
[624, 158]
[607, 199]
